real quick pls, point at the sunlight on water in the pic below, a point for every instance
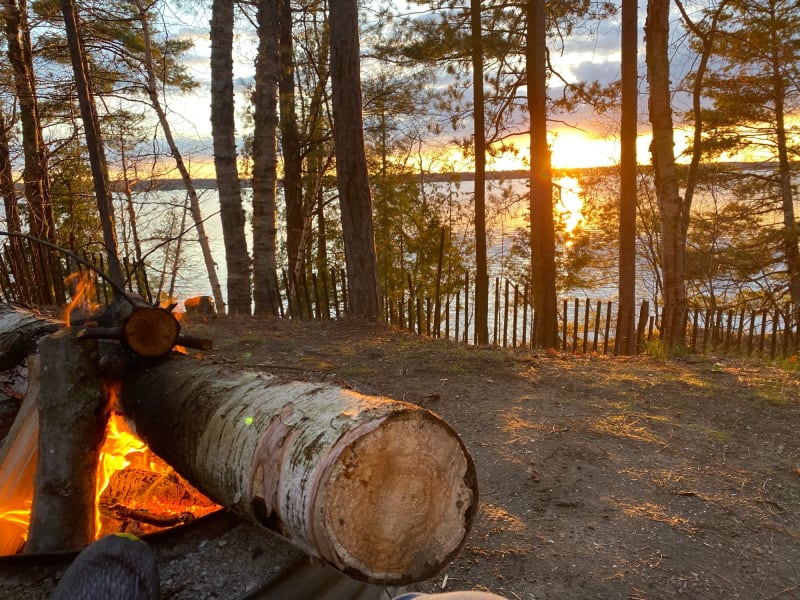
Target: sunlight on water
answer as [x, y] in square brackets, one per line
[569, 202]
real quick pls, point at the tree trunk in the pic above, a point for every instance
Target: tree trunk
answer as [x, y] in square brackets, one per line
[16, 254]
[351, 163]
[223, 131]
[265, 160]
[791, 236]
[382, 490]
[34, 174]
[673, 241]
[542, 234]
[627, 185]
[194, 202]
[479, 125]
[94, 141]
[290, 144]
[72, 421]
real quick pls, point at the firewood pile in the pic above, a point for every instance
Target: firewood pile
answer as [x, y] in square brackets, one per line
[380, 490]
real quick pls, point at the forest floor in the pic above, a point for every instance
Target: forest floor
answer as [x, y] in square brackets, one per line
[599, 477]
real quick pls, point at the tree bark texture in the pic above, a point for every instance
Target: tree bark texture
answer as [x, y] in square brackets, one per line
[20, 332]
[351, 163]
[72, 421]
[670, 203]
[223, 132]
[542, 234]
[382, 490]
[627, 176]
[265, 161]
[479, 128]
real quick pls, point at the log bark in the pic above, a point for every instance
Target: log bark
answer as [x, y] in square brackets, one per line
[20, 332]
[72, 420]
[382, 490]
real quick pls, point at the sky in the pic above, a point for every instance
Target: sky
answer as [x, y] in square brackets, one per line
[578, 140]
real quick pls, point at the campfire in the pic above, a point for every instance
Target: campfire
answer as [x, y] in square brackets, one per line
[382, 490]
[135, 490]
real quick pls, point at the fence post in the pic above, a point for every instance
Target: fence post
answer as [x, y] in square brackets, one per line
[466, 307]
[458, 310]
[608, 327]
[505, 314]
[597, 317]
[514, 322]
[644, 311]
[587, 309]
[575, 327]
[524, 314]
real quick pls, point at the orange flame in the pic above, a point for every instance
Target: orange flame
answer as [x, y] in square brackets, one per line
[118, 445]
[120, 449]
[83, 290]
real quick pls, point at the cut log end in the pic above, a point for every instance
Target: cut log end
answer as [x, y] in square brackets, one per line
[400, 501]
[151, 331]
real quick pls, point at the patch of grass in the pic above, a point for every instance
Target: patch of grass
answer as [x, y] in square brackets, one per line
[790, 364]
[655, 349]
[720, 435]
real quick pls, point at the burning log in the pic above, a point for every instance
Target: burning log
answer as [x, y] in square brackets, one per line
[72, 421]
[18, 466]
[151, 331]
[384, 491]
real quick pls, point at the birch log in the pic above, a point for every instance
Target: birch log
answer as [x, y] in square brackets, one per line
[72, 421]
[20, 332]
[382, 490]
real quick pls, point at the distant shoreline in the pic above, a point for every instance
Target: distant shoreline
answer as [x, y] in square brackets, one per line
[174, 184]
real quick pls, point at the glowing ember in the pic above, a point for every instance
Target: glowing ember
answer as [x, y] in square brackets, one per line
[123, 450]
[118, 445]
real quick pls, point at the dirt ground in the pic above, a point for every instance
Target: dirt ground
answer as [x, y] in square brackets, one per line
[638, 478]
[599, 477]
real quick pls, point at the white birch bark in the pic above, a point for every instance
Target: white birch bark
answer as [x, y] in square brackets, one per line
[382, 490]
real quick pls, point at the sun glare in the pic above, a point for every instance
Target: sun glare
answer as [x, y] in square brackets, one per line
[569, 202]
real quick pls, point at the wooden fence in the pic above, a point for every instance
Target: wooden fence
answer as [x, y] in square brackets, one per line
[585, 325]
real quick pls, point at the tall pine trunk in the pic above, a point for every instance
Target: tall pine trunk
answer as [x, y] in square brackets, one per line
[290, 144]
[481, 268]
[351, 163]
[223, 131]
[542, 234]
[34, 173]
[670, 203]
[626, 331]
[265, 160]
